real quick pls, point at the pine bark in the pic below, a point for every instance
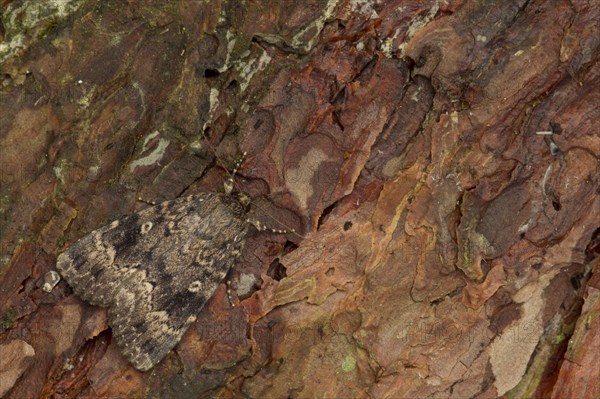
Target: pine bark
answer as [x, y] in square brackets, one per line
[438, 162]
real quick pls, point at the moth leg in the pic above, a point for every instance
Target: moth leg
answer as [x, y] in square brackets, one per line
[146, 201]
[230, 289]
[51, 279]
[231, 302]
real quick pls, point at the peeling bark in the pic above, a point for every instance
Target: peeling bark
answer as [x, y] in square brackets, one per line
[444, 247]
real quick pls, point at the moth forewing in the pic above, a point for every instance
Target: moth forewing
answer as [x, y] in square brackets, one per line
[155, 269]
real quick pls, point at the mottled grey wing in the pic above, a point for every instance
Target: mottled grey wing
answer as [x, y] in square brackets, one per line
[155, 269]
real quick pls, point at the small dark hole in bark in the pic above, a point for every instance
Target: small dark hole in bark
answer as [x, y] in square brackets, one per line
[321, 331]
[289, 247]
[233, 85]
[576, 281]
[347, 225]
[211, 73]
[555, 128]
[325, 213]
[276, 270]
[556, 205]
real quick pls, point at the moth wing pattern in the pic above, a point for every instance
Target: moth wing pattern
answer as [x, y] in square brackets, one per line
[155, 269]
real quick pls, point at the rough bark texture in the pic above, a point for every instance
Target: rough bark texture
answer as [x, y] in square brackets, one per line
[444, 250]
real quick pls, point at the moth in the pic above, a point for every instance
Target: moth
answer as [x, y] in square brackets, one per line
[155, 269]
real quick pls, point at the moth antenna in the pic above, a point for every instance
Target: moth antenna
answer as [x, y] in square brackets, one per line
[230, 184]
[258, 225]
[230, 181]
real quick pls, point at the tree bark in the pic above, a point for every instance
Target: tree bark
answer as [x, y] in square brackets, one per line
[438, 162]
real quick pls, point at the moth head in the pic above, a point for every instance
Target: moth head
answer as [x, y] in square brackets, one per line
[228, 186]
[243, 199]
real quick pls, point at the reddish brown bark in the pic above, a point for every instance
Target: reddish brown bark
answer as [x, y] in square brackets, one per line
[445, 249]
